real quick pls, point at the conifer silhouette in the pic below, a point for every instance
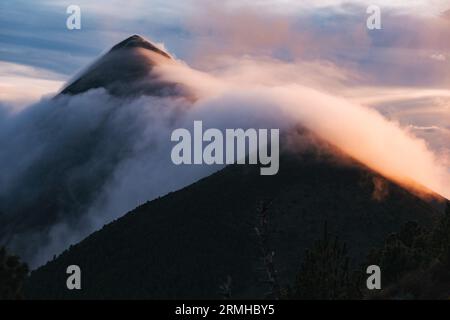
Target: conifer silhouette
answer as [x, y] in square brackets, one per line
[325, 273]
[12, 275]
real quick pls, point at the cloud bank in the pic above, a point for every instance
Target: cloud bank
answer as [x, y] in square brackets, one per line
[359, 131]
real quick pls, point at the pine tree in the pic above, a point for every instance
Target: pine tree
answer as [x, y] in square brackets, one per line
[440, 239]
[263, 234]
[12, 276]
[402, 252]
[324, 273]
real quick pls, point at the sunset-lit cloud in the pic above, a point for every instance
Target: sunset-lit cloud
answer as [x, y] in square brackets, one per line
[324, 44]
[361, 132]
[21, 85]
[321, 44]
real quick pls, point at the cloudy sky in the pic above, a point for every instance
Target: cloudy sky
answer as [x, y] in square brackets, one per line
[403, 69]
[408, 59]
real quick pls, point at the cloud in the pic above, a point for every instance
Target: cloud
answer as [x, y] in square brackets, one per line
[412, 7]
[35, 33]
[398, 54]
[72, 164]
[438, 57]
[21, 85]
[430, 128]
[359, 131]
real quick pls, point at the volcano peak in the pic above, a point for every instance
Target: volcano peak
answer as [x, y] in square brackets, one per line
[125, 70]
[136, 41]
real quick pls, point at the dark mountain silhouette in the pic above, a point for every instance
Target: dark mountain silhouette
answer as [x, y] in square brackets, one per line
[187, 243]
[126, 70]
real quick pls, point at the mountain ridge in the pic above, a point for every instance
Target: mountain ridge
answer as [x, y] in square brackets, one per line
[182, 245]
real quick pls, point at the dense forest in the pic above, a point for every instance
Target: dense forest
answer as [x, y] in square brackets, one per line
[415, 263]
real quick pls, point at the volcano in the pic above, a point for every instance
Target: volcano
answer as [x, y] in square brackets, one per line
[187, 243]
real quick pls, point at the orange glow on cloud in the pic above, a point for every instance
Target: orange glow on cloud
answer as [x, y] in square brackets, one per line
[359, 131]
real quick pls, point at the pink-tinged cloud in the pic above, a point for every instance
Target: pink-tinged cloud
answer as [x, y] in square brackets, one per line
[21, 85]
[359, 131]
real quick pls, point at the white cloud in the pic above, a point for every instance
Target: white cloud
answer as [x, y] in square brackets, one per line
[20, 85]
[438, 57]
[416, 7]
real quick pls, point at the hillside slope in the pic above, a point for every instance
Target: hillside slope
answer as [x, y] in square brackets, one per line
[185, 244]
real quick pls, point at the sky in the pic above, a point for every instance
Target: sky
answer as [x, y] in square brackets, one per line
[403, 69]
[34, 32]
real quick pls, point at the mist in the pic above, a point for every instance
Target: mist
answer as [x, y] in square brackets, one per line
[361, 132]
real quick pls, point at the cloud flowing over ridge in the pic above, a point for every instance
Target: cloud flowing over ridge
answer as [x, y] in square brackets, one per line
[359, 131]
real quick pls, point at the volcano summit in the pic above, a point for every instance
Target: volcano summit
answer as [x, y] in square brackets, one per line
[126, 70]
